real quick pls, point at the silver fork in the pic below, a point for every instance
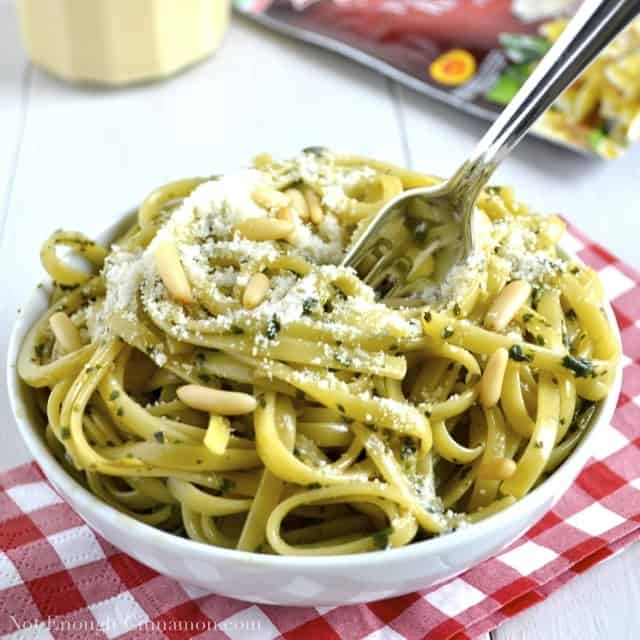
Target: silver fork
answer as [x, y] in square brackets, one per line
[382, 261]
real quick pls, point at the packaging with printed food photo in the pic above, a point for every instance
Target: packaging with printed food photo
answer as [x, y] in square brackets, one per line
[475, 55]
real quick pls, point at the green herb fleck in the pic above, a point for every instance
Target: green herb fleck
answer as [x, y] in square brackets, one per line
[273, 328]
[114, 395]
[342, 358]
[66, 287]
[595, 138]
[407, 448]
[581, 367]
[65, 433]
[427, 316]
[227, 485]
[39, 349]
[516, 353]
[307, 305]
[536, 292]
[315, 150]
[420, 232]
[381, 538]
[447, 332]
[582, 419]
[159, 436]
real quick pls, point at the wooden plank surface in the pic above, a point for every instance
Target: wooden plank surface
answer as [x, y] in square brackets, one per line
[15, 75]
[14, 79]
[601, 604]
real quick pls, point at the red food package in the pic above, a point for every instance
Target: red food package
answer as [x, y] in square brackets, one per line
[475, 55]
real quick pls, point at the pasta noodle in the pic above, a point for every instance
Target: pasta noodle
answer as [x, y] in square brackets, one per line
[219, 376]
[603, 105]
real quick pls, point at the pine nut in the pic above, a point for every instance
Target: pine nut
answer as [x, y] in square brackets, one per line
[269, 198]
[255, 291]
[65, 331]
[258, 229]
[313, 204]
[297, 201]
[506, 305]
[288, 215]
[490, 386]
[496, 469]
[224, 403]
[170, 269]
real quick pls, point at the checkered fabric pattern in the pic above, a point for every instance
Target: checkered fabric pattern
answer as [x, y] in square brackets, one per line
[58, 579]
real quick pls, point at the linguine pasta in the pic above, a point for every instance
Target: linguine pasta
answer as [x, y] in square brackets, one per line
[219, 376]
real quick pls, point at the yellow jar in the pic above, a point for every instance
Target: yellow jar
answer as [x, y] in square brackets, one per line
[116, 42]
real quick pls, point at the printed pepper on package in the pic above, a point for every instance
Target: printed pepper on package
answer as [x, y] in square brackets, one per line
[475, 56]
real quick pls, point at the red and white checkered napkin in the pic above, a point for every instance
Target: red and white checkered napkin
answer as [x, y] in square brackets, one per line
[58, 579]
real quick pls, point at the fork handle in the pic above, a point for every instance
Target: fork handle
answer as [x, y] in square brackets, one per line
[594, 25]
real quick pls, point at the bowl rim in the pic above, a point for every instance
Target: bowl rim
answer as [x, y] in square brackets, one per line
[147, 535]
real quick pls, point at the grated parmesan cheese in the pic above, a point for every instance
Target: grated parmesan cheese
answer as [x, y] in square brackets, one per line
[518, 248]
[218, 261]
[123, 273]
[460, 279]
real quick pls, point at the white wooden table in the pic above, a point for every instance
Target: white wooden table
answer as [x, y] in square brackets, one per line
[76, 158]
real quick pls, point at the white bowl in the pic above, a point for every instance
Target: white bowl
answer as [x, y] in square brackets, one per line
[302, 581]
